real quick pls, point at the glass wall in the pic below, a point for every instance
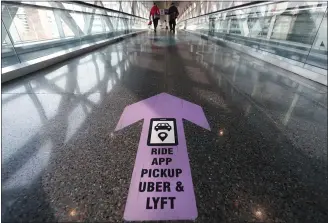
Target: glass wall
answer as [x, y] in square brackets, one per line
[293, 31]
[34, 29]
[203, 7]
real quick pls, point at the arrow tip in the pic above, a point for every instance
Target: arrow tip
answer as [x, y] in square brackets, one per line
[163, 105]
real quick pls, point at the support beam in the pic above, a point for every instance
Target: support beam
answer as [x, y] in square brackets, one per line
[107, 19]
[67, 18]
[320, 41]
[88, 25]
[133, 6]
[89, 21]
[7, 18]
[229, 23]
[271, 26]
[59, 23]
[120, 8]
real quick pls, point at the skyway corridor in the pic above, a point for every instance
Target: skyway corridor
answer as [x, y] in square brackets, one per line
[263, 157]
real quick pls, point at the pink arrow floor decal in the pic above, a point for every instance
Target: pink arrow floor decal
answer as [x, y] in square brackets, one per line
[161, 186]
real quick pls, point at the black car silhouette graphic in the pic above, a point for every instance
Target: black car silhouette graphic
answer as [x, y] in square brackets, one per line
[163, 126]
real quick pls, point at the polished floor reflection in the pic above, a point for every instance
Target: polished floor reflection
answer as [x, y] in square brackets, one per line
[265, 159]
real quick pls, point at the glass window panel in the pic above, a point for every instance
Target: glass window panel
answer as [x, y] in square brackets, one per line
[68, 6]
[80, 19]
[293, 30]
[97, 25]
[318, 54]
[8, 54]
[237, 3]
[67, 30]
[8, 17]
[52, 29]
[34, 24]
[112, 5]
[106, 23]
[37, 3]
[126, 6]
[213, 6]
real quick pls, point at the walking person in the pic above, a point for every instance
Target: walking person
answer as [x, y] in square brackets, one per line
[173, 14]
[154, 15]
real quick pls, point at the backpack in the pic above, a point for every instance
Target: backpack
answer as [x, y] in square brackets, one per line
[156, 16]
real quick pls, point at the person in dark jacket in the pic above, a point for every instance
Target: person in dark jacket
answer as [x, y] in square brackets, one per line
[173, 14]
